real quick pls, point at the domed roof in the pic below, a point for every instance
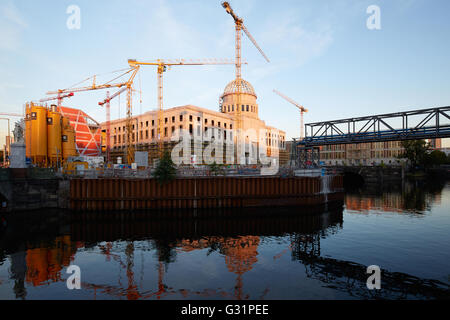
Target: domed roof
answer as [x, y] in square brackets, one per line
[245, 87]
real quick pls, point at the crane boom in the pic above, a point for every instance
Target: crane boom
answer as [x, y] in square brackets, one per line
[94, 86]
[254, 43]
[179, 62]
[291, 101]
[12, 115]
[112, 97]
[300, 107]
[240, 26]
[68, 95]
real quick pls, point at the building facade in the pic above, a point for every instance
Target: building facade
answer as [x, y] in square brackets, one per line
[203, 124]
[366, 154]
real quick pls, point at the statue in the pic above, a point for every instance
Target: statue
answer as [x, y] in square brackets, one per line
[18, 132]
[18, 150]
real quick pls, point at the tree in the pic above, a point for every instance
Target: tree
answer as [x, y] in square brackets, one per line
[438, 157]
[166, 170]
[416, 151]
[216, 169]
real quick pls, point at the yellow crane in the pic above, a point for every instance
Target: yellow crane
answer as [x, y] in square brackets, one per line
[161, 68]
[300, 107]
[129, 88]
[239, 22]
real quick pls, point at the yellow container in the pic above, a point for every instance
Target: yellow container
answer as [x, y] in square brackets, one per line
[28, 130]
[69, 148]
[54, 137]
[103, 141]
[38, 118]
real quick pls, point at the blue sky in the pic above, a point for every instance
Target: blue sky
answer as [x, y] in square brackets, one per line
[322, 54]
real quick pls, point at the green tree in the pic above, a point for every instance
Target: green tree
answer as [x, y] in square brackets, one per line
[216, 169]
[416, 151]
[437, 157]
[166, 170]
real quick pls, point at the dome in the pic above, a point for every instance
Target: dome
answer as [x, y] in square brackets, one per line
[245, 86]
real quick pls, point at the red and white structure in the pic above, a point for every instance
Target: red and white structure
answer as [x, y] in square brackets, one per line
[87, 131]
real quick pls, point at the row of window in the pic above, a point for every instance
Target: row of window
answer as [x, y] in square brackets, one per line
[145, 135]
[371, 154]
[364, 146]
[244, 108]
[166, 121]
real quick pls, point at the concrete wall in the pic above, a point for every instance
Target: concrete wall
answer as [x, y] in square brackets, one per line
[373, 174]
[30, 189]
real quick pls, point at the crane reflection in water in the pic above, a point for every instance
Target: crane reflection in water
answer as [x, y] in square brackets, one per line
[39, 258]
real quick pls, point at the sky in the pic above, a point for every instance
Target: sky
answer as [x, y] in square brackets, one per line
[321, 53]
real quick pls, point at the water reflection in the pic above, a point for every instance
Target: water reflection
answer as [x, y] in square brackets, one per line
[414, 196]
[39, 251]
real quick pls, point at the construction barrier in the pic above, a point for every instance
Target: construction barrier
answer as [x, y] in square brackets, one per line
[199, 193]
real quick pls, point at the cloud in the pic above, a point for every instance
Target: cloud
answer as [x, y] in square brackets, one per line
[11, 27]
[171, 35]
[294, 43]
[10, 13]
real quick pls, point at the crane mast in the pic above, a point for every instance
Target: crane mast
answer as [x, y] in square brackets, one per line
[239, 22]
[107, 102]
[161, 68]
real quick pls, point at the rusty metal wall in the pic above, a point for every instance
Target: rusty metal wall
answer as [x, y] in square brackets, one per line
[212, 192]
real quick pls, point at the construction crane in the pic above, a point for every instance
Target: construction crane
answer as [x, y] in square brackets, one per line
[161, 68]
[129, 86]
[16, 115]
[108, 120]
[300, 107]
[239, 22]
[59, 97]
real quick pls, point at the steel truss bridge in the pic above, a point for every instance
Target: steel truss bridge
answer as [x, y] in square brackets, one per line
[429, 123]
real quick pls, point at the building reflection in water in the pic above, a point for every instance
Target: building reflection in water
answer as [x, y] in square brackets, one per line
[45, 262]
[237, 240]
[410, 198]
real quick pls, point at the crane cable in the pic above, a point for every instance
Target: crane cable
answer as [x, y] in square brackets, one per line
[140, 93]
[128, 70]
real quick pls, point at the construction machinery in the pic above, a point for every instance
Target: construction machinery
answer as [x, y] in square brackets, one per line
[161, 68]
[129, 88]
[239, 22]
[107, 104]
[300, 107]
[16, 115]
[59, 97]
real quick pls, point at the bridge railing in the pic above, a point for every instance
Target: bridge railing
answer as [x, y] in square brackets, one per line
[417, 124]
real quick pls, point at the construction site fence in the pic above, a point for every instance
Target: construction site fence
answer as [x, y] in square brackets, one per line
[180, 173]
[198, 193]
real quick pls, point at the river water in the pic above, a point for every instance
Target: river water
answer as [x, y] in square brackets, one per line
[404, 229]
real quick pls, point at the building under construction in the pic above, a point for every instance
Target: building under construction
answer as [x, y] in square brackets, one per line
[203, 125]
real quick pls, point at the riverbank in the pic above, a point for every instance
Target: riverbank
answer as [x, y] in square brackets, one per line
[30, 189]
